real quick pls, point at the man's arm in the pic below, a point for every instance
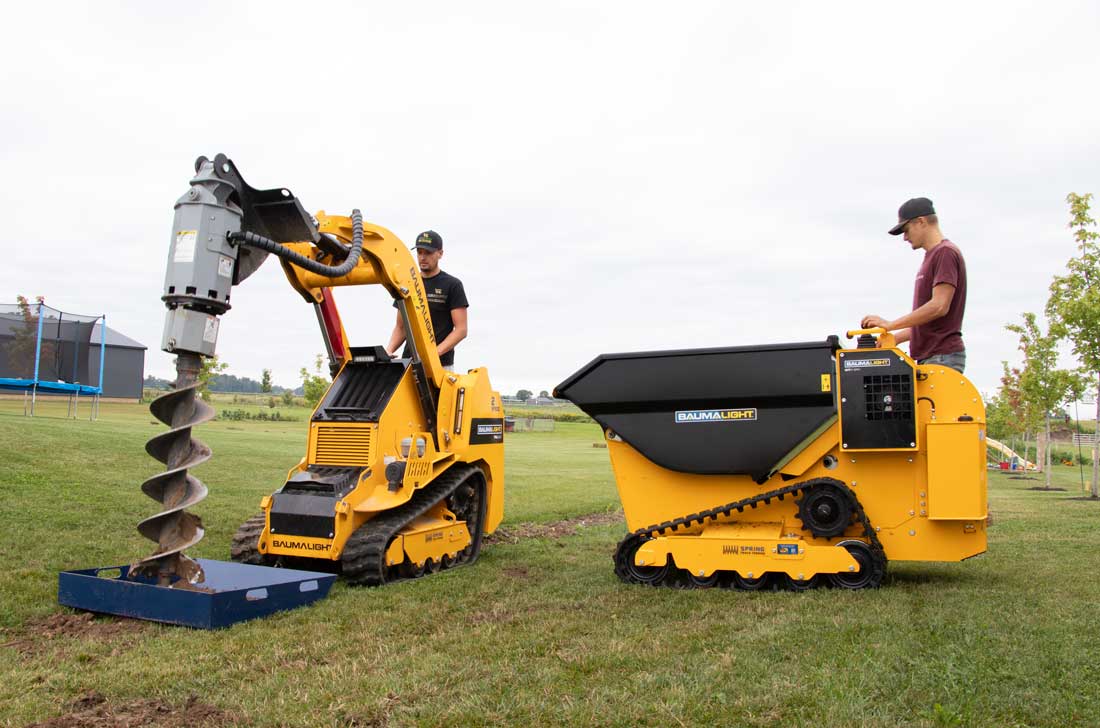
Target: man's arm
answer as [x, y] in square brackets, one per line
[458, 333]
[397, 338]
[935, 308]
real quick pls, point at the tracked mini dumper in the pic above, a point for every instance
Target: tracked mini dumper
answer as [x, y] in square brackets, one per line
[788, 465]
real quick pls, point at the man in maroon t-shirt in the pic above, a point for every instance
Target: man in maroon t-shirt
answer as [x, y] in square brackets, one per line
[934, 327]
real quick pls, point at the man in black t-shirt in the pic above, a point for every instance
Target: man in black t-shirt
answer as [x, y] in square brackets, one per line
[446, 302]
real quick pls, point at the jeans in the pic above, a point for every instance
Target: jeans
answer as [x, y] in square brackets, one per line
[955, 360]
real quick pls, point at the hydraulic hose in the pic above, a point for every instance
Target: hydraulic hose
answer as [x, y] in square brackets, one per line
[253, 240]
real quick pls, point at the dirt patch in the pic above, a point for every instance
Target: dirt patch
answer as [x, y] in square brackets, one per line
[39, 635]
[557, 529]
[1038, 487]
[92, 710]
[1085, 498]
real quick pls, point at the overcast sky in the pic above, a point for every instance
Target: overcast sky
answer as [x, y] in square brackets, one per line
[606, 177]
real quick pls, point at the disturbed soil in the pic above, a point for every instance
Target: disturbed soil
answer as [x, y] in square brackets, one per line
[92, 710]
[557, 529]
[57, 629]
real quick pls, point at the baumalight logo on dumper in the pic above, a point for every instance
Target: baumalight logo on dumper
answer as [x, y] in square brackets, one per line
[716, 415]
[861, 363]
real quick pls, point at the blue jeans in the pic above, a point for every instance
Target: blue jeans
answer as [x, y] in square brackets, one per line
[955, 360]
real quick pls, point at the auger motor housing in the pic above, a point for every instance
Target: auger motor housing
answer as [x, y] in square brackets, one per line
[201, 262]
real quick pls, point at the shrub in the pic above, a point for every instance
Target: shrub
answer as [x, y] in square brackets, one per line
[240, 415]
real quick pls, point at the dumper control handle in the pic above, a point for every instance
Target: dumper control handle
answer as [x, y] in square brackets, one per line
[858, 332]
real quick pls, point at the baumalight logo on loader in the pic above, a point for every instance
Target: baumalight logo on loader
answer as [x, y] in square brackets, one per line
[716, 415]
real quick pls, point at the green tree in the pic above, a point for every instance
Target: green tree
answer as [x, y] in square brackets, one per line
[22, 348]
[1074, 303]
[1042, 385]
[524, 394]
[544, 394]
[1021, 419]
[313, 385]
[211, 368]
[265, 381]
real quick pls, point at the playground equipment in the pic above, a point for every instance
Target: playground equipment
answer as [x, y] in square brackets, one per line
[403, 471]
[47, 351]
[787, 464]
[1009, 455]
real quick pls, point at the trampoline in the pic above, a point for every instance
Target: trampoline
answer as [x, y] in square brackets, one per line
[44, 351]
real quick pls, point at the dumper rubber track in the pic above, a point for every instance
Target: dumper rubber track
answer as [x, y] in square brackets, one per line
[871, 556]
[363, 559]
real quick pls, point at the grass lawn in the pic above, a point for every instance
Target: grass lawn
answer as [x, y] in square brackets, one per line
[539, 631]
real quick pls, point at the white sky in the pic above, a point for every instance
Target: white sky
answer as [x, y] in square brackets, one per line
[606, 177]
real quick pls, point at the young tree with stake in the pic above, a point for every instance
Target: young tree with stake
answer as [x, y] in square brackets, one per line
[1074, 303]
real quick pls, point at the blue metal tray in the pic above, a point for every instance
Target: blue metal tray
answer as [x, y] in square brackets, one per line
[231, 593]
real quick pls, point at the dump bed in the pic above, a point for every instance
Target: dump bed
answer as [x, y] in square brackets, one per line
[732, 410]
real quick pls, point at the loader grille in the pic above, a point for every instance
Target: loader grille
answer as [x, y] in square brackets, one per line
[360, 393]
[346, 445]
[888, 397]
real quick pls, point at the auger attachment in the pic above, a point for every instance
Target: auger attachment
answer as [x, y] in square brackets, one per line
[174, 529]
[203, 266]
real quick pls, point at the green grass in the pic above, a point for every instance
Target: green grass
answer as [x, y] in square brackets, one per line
[541, 631]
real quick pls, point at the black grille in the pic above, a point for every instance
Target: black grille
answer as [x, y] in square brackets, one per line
[888, 397]
[360, 393]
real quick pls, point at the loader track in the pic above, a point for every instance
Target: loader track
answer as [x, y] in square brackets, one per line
[245, 546]
[871, 555]
[363, 559]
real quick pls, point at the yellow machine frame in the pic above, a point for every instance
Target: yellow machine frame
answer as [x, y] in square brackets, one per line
[466, 405]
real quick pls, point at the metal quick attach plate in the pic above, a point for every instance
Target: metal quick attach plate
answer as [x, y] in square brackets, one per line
[877, 401]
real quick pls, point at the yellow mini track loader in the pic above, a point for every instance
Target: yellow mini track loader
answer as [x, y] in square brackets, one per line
[788, 465]
[403, 470]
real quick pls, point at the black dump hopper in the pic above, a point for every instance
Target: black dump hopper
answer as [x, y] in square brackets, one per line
[735, 410]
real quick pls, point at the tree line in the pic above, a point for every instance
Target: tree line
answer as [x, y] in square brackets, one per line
[219, 382]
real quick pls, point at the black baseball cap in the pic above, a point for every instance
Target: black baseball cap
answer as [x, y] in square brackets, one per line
[429, 240]
[916, 207]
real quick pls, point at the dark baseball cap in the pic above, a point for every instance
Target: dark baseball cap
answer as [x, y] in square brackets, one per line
[916, 207]
[429, 240]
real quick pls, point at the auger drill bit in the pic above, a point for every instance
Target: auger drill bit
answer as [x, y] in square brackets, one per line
[174, 529]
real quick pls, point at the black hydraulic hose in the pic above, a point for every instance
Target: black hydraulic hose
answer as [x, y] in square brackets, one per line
[253, 240]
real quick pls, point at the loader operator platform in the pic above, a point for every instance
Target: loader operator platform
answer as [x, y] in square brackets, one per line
[446, 302]
[934, 327]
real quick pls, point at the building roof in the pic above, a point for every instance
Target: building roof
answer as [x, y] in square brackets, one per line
[114, 338]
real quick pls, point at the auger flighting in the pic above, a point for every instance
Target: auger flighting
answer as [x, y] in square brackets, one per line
[174, 529]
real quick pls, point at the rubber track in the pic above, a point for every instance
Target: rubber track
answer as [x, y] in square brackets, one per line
[629, 545]
[245, 546]
[364, 556]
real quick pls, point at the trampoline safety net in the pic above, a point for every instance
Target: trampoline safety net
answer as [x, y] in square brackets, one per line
[41, 344]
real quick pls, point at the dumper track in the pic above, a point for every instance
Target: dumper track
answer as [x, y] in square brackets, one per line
[363, 559]
[871, 555]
